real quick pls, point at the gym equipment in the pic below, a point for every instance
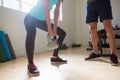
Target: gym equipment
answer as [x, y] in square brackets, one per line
[10, 47]
[103, 41]
[2, 56]
[5, 46]
[52, 42]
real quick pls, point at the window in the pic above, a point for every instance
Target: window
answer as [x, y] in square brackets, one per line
[13, 4]
[22, 5]
[52, 13]
[0, 3]
[25, 6]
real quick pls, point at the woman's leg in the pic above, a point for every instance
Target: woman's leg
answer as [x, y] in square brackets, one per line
[30, 38]
[60, 32]
[29, 44]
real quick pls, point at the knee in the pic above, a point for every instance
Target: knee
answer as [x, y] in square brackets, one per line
[62, 34]
[93, 29]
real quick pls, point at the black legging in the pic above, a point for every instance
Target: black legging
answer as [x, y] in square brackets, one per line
[31, 24]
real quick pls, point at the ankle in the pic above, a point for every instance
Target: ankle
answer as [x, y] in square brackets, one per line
[113, 54]
[96, 52]
[54, 57]
[31, 62]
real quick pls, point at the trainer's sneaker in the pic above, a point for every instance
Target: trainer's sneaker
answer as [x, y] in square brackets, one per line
[33, 70]
[58, 60]
[92, 56]
[114, 60]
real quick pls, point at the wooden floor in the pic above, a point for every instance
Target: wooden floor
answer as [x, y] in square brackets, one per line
[76, 68]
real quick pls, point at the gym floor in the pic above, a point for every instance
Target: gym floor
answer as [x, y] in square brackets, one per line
[76, 68]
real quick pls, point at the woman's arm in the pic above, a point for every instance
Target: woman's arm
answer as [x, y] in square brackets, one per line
[47, 14]
[56, 16]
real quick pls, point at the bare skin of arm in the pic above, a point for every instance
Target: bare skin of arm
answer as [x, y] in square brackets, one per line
[51, 31]
[56, 16]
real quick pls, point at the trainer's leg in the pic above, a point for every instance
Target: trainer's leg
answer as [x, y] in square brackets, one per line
[94, 36]
[110, 35]
[111, 40]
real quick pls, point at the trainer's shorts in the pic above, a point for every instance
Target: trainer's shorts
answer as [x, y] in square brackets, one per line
[98, 9]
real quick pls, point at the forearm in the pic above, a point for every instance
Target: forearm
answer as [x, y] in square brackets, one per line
[47, 14]
[56, 20]
[56, 16]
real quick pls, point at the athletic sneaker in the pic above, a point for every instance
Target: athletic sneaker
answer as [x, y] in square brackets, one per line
[33, 70]
[58, 60]
[92, 56]
[113, 60]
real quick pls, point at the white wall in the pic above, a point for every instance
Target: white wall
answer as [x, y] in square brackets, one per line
[69, 21]
[82, 29]
[116, 12]
[12, 23]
